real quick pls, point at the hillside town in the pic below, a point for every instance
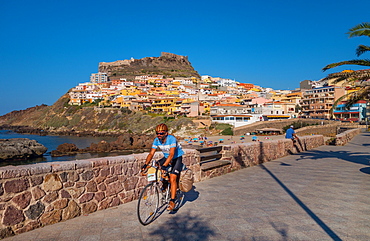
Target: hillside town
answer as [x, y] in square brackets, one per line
[223, 100]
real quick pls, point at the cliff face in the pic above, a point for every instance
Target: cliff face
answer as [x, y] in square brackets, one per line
[169, 65]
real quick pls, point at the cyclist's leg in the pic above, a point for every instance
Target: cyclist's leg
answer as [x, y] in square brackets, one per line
[180, 197]
[174, 174]
[173, 181]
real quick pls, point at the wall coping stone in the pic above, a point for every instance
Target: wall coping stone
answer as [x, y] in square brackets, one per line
[63, 166]
[80, 164]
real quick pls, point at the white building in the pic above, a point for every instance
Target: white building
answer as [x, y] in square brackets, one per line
[227, 82]
[94, 96]
[99, 78]
[236, 120]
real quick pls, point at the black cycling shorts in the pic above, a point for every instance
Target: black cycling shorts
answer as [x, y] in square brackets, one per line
[176, 165]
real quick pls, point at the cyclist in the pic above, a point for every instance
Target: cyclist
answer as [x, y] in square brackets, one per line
[172, 158]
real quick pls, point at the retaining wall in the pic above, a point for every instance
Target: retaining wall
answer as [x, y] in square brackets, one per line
[344, 137]
[317, 127]
[279, 124]
[32, 196]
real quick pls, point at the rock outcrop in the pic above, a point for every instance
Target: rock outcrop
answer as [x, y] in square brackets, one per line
[20, 148]
[123, 142]
[168, 64]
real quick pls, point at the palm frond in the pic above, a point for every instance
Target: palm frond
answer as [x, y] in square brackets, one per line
[352, 98]
[340, 99]
[361, 94]
[359, 75]
[362, 49]
[362, 29]
[361, 62]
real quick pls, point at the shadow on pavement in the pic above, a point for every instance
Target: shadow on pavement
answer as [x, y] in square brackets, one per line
[184, 227]
[355, 157]
[190, 196]
[365, 170]
[282, 230]
[303, 206]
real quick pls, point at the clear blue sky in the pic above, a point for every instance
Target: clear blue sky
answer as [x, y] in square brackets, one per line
[49, 46]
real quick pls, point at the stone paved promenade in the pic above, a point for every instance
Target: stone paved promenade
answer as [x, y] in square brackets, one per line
[322, 194]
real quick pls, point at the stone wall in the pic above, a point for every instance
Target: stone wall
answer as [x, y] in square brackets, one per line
[318, 127]
[343, 138]
[279, 124]
[32, 196]
[255, 153]
[325, 130]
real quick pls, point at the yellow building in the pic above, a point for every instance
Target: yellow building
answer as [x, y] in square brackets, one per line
[171, 92]
[292, 97]
[130, 91]
[164, 105]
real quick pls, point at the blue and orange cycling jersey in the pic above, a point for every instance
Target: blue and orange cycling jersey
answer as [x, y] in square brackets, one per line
[167, 145]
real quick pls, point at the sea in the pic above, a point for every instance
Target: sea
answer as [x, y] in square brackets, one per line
[52, 142]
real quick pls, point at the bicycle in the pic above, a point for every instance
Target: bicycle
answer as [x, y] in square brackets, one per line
[155, 195]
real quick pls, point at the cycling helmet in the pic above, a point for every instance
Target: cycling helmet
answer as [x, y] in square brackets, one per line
[161, 127]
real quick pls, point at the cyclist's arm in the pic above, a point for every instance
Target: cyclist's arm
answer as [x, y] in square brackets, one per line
[149, 158]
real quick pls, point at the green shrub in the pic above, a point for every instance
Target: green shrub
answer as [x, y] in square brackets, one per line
[228, 131]
[75, 120]
[57, 121]
[298, 124]
[330, 141]
[220, 126]
[126, 110]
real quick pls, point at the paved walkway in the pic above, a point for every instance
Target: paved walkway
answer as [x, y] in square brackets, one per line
[322, 194]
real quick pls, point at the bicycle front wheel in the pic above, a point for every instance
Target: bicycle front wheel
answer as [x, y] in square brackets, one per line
[148, 203]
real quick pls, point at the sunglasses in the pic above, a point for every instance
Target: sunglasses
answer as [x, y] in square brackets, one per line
[161, 133]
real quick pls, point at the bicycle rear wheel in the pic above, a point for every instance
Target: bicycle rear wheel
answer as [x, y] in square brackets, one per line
[148, 203]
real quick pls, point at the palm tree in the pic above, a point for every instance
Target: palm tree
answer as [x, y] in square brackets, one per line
[357, 78]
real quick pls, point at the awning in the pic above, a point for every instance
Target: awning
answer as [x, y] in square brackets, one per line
[335, 113]
[269, 129]
[277, 116]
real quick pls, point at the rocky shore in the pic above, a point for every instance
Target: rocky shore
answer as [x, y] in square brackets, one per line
[124, 142]
[20, 148]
